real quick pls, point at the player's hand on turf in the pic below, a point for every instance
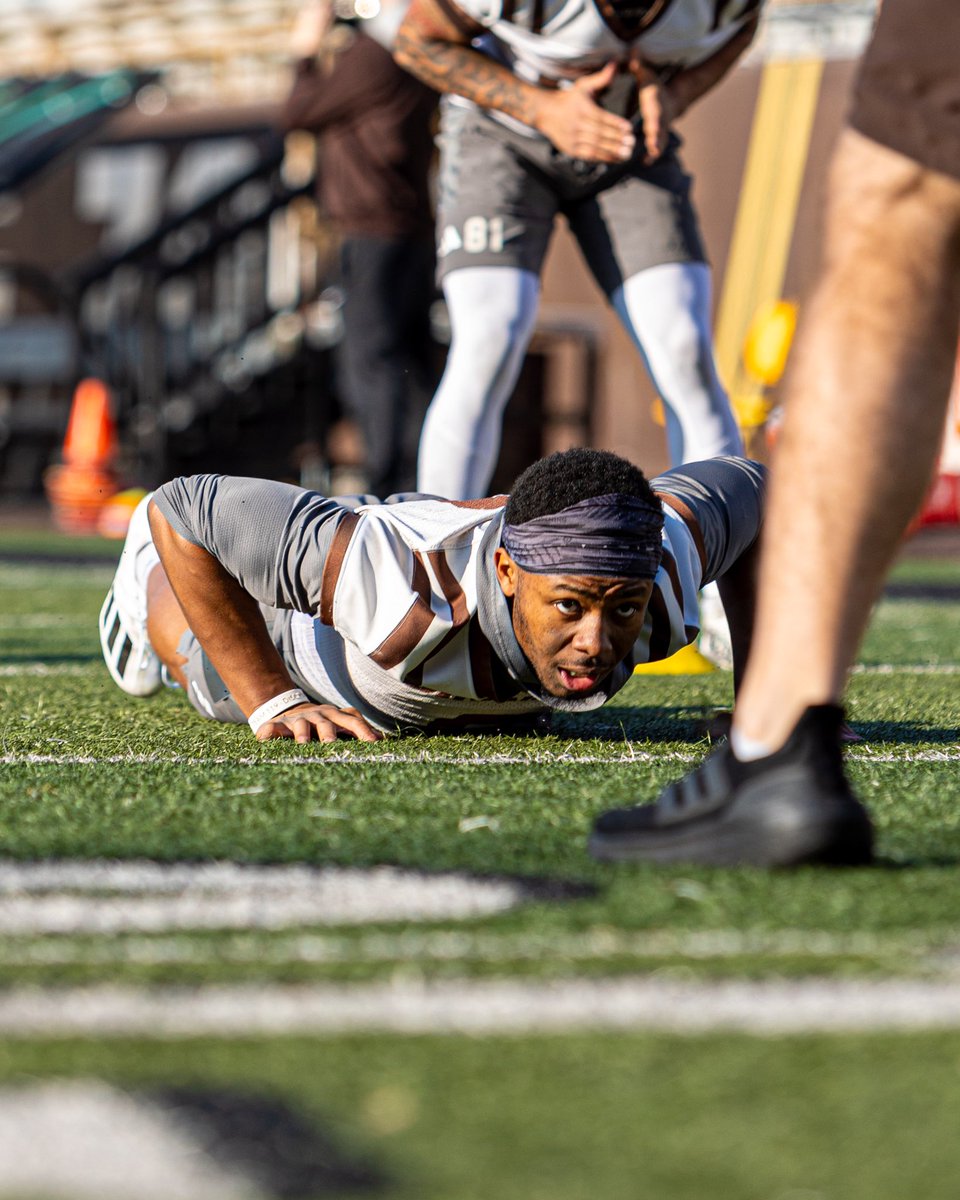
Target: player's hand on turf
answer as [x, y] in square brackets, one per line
[577, 125]
[318, 723]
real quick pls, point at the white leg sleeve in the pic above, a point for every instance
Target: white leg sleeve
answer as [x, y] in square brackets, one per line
[666, 310]
[492, 315]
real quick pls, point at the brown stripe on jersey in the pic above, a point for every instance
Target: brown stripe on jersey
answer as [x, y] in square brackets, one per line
[508, 11]
[415, 677]
[537, 23]
[483, 502]
[659, 626]
[690, 521]
[450, 586]
[481, 662]
[408, 634]
[333, 564]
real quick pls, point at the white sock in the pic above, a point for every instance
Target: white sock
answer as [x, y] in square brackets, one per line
[666, 310]
[492, 314]
[747, 749]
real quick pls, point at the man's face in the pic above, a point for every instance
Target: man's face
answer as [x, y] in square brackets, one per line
[573, 629]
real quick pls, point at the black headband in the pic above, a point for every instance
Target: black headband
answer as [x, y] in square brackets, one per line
[611, 536]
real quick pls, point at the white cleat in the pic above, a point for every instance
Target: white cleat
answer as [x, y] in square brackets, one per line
[130, 659]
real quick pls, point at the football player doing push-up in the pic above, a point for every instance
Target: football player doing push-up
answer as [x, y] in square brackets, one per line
[311, 618]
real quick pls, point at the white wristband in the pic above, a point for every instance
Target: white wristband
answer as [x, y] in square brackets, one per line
[276, 706]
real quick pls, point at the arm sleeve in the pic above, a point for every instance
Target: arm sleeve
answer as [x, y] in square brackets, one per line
[273, 538]
[721, 500]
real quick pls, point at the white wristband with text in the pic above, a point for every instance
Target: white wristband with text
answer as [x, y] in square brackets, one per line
[276, 706]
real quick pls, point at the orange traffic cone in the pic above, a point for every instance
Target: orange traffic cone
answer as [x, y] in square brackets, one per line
[85, 481]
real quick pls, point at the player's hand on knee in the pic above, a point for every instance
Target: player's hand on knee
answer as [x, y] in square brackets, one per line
[320, 723]
[577, 125]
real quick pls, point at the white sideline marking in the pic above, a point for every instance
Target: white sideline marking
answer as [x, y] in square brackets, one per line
[467, 759]
[37, 897]
[769, 1008]
[8, 671]
[916, 669]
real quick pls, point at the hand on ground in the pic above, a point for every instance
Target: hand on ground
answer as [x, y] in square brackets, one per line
[320, 723]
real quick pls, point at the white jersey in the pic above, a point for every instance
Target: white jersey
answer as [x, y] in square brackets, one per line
[561, 40]
[395, 609]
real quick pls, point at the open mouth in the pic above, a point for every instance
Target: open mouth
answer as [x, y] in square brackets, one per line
[581, 680]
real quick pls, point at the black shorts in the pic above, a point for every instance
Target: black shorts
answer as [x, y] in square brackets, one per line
[907, 95]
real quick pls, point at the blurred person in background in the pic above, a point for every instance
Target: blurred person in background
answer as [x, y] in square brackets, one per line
[374, 129]
[567, 106]
[865, 409]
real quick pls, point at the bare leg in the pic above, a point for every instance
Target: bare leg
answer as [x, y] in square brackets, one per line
[166, 623]
[864, 418]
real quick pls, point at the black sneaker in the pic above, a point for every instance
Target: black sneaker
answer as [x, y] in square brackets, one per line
[792, 807]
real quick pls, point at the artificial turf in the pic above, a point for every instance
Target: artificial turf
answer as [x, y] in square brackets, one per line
[88, 773]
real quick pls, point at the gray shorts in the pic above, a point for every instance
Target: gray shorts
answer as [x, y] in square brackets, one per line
[207, 692]
[499, 192]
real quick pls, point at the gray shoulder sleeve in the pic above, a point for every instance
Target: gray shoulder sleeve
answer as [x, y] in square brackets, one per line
[273, 538]
[724, 497]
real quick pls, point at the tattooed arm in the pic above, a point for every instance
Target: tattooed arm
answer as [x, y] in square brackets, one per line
[433, 43]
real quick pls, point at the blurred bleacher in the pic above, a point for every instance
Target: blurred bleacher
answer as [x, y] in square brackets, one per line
[155, 230]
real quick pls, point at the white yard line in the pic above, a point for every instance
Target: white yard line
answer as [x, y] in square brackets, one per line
[468, 759]
[489, 1007]
[14, 671]
[45, 621]
[142, 897]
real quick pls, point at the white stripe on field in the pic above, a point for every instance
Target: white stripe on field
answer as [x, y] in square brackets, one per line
[37, 899]
[915, 669]
[769, 1008]
[40, 668]
[467, 759]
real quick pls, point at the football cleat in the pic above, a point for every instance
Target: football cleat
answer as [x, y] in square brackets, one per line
[794, 806]
[130, 659]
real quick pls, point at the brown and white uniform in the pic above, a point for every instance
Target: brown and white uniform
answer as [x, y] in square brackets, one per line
[394, 609]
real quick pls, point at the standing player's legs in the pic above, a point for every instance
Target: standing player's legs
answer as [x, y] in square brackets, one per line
[865, 415]
[492, 313]
[494, 218]
[642, 242]
[666, 310]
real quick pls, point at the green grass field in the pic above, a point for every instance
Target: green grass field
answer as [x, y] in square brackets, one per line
[449, 1073]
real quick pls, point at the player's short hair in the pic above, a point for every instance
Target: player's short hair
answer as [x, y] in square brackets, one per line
[569, 476]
